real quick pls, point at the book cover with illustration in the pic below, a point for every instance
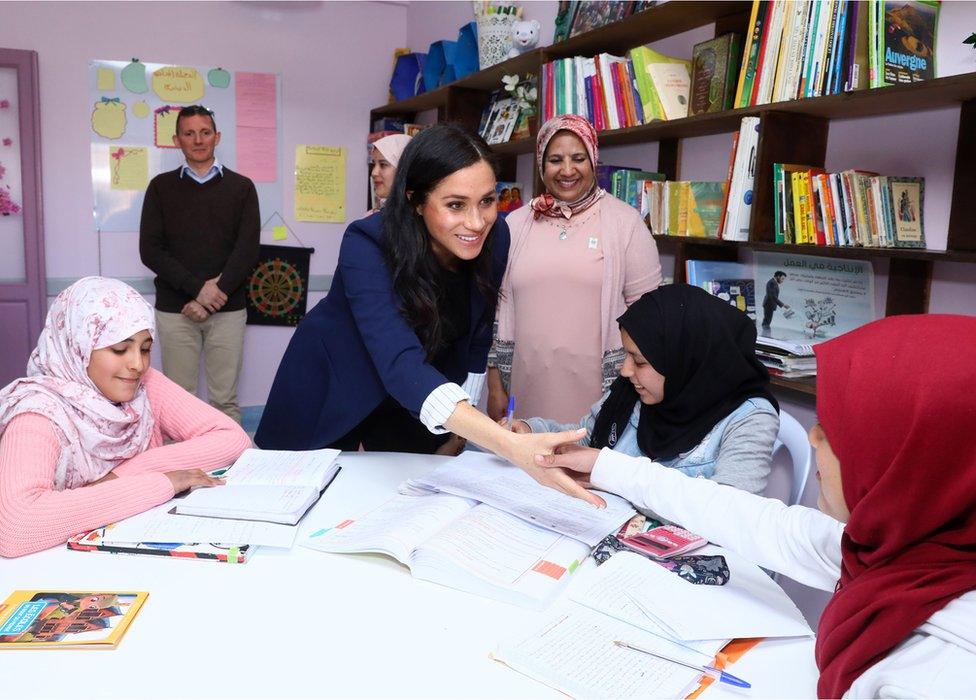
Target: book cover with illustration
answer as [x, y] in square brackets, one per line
[80, 619]
[909, 40]
[907, 197]
[807, 299]
[715, 65]
[509, 196]
[740, 293]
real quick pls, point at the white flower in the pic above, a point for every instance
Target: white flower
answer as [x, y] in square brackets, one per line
[510, 81]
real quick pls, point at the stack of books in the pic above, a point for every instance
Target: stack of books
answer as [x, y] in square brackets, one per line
[849, 208]
[786, 359]
[796, 49]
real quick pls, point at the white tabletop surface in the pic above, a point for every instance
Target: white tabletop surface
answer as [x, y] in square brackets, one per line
[303, 623]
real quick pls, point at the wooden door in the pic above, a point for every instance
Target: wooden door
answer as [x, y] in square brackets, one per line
[23, 291]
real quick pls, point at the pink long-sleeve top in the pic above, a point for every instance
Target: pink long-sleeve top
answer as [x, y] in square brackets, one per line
[34, 516]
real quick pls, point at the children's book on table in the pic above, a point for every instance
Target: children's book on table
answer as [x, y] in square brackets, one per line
[39, 619]
[101, 540]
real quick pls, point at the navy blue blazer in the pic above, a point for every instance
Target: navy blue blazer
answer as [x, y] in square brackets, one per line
[355, 348]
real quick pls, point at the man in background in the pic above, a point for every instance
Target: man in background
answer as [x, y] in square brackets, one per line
[771, 300]
[200, 233]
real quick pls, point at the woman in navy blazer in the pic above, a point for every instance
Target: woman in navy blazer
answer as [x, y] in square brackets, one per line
[394, 357]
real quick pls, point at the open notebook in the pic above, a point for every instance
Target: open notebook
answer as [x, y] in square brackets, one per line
[275, 486]
[634, 600]
[462, 544]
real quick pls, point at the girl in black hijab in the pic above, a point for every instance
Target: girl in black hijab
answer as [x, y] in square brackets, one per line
[691, 394]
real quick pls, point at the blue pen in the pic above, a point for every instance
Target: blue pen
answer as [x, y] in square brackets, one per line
[711, 671]
[511, 412]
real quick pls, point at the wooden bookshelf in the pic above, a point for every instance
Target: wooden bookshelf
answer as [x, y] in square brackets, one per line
[782, 123]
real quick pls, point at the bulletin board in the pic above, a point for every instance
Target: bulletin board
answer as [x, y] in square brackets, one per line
[132, 112]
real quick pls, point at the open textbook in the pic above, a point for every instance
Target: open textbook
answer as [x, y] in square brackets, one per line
[483, 526]
[462, 544]
[489, 479]
[275, 486]
[634, 600]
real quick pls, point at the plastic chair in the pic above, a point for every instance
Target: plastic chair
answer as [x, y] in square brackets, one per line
[793, 437]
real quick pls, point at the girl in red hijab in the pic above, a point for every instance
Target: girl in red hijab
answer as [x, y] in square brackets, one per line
[896, 538]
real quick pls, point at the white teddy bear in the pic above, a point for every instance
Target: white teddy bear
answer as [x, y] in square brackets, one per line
[525, 35]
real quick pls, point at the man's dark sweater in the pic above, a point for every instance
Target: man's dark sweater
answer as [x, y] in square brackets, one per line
[191, 233]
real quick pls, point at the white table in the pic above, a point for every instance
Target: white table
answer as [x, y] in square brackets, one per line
[303, 623]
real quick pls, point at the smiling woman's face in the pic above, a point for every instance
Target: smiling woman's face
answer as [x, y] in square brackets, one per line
[567, 171]
[117, 370]
[459, 212]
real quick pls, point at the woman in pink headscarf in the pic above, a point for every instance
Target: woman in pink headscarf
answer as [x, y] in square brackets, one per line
[578, 258]
[81, 436]
[384, 157]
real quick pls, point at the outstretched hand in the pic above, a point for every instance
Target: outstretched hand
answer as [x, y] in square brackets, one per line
[528, 447]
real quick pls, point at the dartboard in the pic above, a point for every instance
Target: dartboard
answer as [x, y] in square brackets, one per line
[276, 288]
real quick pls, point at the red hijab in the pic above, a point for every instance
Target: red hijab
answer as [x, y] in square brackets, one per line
[897, 402]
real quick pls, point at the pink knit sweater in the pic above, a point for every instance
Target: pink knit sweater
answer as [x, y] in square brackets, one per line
[33, 516]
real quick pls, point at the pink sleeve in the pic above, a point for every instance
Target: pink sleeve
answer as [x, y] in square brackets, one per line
[33, 516]
[203, 437]
[642, 271]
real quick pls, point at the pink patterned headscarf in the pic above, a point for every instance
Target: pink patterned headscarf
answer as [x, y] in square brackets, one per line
[96, 434]
[546, 204]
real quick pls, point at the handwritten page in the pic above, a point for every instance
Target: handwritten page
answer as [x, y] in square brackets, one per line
[491, 480]
[256, 100]
[573, 651]
[320, 184]
[158, 525]
[257, 153]
[751, 604]
[283, 467]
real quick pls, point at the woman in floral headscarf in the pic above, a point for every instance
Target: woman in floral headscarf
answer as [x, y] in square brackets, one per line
[578, 258]
[81, 436]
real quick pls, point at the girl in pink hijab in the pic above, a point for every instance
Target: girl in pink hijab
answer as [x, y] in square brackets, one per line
[384, 159]
[81, 436]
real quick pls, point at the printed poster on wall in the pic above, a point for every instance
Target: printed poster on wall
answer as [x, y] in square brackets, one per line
[320, 184]
[821, 297]
[133, 105]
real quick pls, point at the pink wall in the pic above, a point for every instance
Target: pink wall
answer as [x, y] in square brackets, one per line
[334, 60]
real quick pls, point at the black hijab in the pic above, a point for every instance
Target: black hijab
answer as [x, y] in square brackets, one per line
[706, 351]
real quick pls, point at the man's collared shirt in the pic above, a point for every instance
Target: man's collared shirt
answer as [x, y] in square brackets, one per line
[215, 170]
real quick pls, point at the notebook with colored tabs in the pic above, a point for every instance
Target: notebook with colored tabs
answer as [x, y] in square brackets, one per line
[100, 540]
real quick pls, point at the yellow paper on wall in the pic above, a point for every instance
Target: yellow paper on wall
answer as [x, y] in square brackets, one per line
[279, 233]
[108, 118]
[106, 79]
[165, 126]
[178, 84]
[320, 184]
[129, 166]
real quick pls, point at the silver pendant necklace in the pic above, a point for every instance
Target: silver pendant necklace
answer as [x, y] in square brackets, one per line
[563, 235]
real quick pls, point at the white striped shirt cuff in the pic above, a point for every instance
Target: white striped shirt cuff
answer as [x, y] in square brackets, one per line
[475, 386]
[440, 404]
